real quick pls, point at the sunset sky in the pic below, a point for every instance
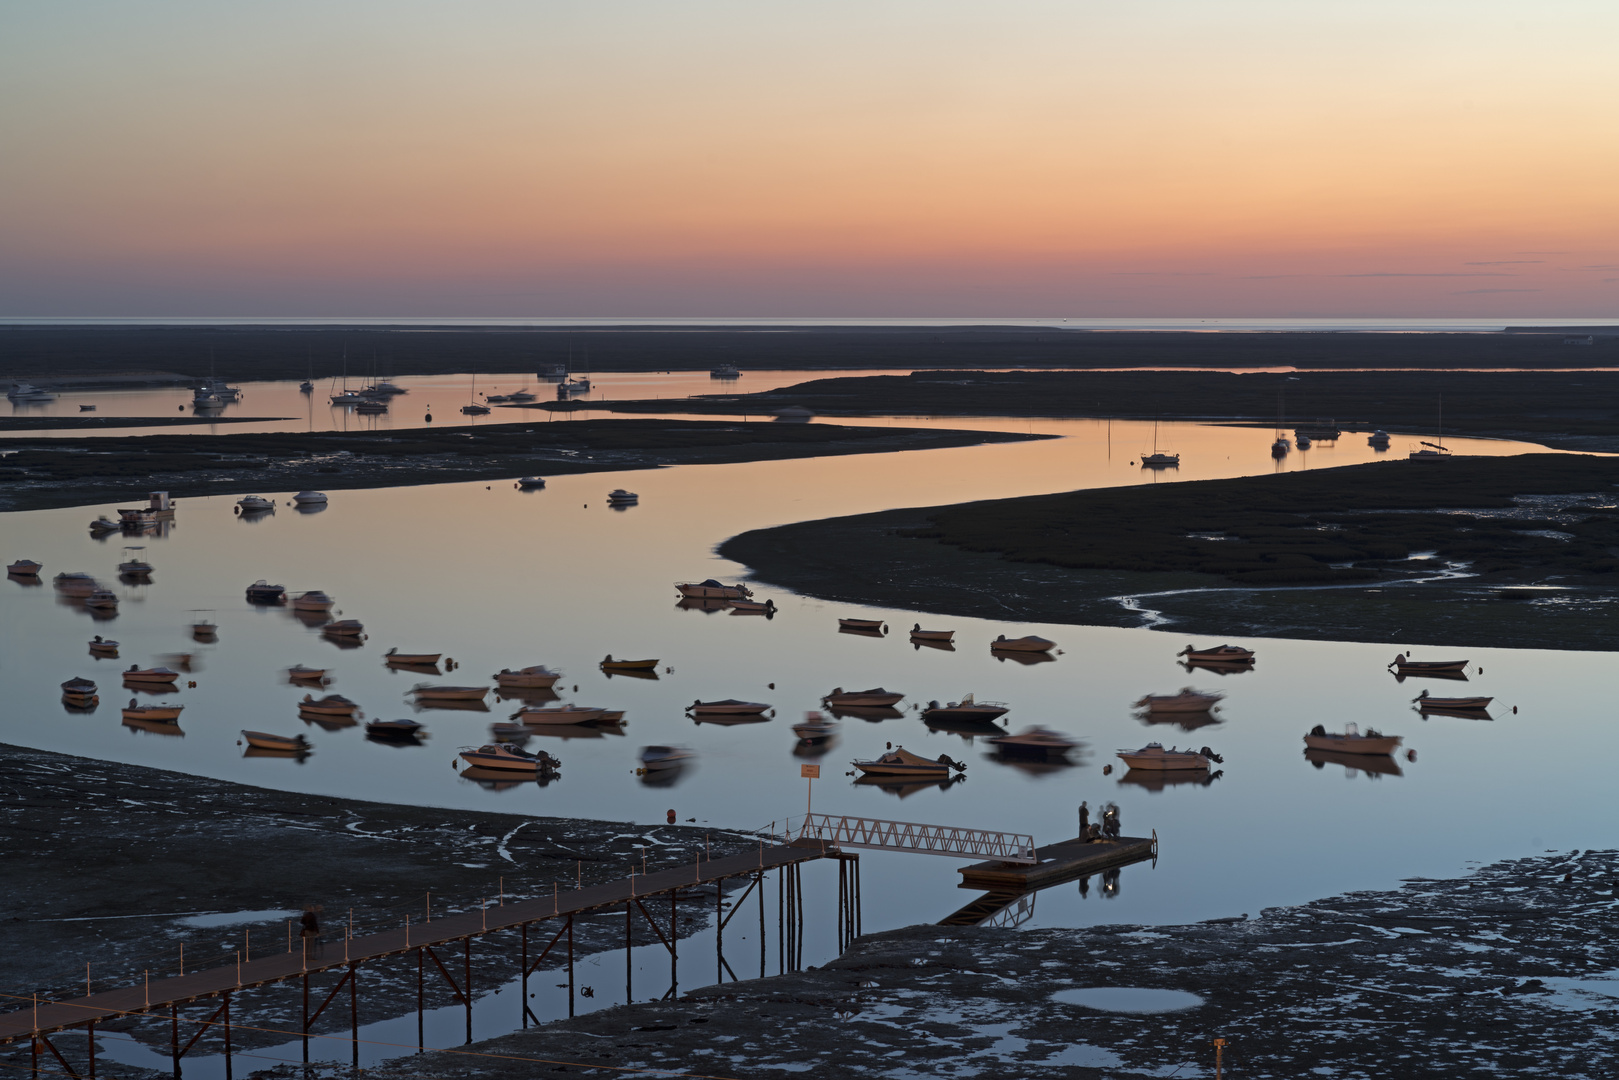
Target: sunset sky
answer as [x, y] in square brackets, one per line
[1194, 158]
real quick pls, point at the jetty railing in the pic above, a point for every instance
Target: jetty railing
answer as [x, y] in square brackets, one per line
[951, 840]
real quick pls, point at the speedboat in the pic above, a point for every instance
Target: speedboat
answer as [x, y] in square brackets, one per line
[1378, 439]
[965, 709]
[99, 644]
[919, 634]
[508, 758]
[394, 656]
[1406, 666]
[266, 741]
[1188, 700]
[875, 698]
[710, 589]
[537, 675]
[344, 628]
[105, 524]
[664, 757]
[863, 625]
[620, 497]
[1220, 654]
[901, 762]
[815, 727]
[150, 675]
[1352, 741]
[521, 396]
[255, 504]
[425, 692]
[24, 567]
[1154, 757]
[330, 705]
[262, 592]
[313, 600]
[300, 673]
[529, 483]
[1030, 643]
[132, 711]
[21, 391]
[102, 598]
[309, 498]
[394, 729]
[558, 714]
[1424, 701]
[1034, 741]
[609, 664]
[728, 707]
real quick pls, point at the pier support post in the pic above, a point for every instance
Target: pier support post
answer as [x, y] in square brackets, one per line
[629, 964]
[421, 1036]
[781, 920]
[225, 1012]
[33, 1046]
[354, 1012]
[306, 1020]
[524, 990]
[570, 963]
[174, 1037]
[674, 940]
[466, 969]
[719, 930]
[90, 1036]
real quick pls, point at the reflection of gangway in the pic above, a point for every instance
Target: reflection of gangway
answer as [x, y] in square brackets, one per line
[878, 835]
[1002, 910]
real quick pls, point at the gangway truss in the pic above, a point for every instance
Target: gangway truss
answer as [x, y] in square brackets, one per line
[950, 840]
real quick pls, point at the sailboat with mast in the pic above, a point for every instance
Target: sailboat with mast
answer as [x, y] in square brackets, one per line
[472, 407]
[1155, 460]
[1434, 451]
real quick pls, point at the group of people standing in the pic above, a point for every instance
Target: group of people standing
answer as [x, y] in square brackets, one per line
[1105, 829]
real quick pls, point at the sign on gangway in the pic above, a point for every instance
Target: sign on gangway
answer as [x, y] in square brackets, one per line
[951, 840]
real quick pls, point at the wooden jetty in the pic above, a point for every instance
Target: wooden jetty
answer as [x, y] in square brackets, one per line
[431, 940]
[1056, 863]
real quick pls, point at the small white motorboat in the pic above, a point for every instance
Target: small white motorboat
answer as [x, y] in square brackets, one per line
[394, 656]
[255, 504]
[535, 676]
[262, 592]
[300, 673]
[330, 705]
[313, 600]
[920, 634]
[99, 644]
[620, 497]
[901, 762]
[713, 590]
[266, 741]
[134, 711]
[766, 608]
[1034, 741]
[531, 483]
[394, 729]
[1352, 741]
[664, 757]
[815, 727]
[150, 675]
[547, 715]
[24, 568]
[728, 707]
[1220, 654]
[1029, 643]
[966, 709]
[103, 599]
[1187, 701]
[344, 628]
[1154, 757]
[875, 698]
[1425, 701]
[424, 692]
[508, 758]
[309, 498]
[79, 686]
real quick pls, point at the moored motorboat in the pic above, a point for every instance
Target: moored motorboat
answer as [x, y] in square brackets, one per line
[344, 628]
[1406, 666]
[901, 762]
[394, 729]
[255, 504]
[875, 698]
[149, 675]
[711, 589]
[330, 705]
[78, 686]
[394, 656]
[609, 664]
[865, 626]
[104, 599]
[1160, 461]
[204, 630]
[968, 708]
[1035, 741]
[1154, 757]
[665, 757]
[1220, 654]
[1378, 439]
[919, 634]
[24, 568]
[262, 592]
[472, 408]
[309, 498]
[728, 707]
[620, 497]
[1426, 701]
[815, 727]
[301, 673]
[753, 607]
[536, 676]
[425, 692]
[508, 758]
[264, 740]
[1351, 741]
[546, 715]
[133, 711]
[99, 644]
[531, 483]
[1029, 643]
[76, 583]
[313, 600]
[1188, 700]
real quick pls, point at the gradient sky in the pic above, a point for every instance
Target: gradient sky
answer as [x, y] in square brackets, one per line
[868, 158]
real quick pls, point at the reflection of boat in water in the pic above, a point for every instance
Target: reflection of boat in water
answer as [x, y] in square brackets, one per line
[1030, 643]
[528, 695]
[535, 676]
[875, 698]
[1027, 659]
[710, 589]
[1031, 765]
[153, 727]
[918, 644]
[264, 740]
[1216, 667]
[505, 779]
[1427, 703]
[900, 762]
[1352, 741]
[728, 719]
[864, 626]
[905, 787]
[1406, 666]
[1154, 757]
[919, 634]
[870, 714]
[1186, 721]
[1158, 779]
[505, 757]
[1220, 654]
[1370, 764]
[965, 709]
[398, 731]
[967, 729]
[1187, 701]
[1034, 741]
[424, 693]
[687, 603]
[727, 707]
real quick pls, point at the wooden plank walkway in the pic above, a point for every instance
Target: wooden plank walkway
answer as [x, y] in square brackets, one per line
[161, 993]
[1058, 863]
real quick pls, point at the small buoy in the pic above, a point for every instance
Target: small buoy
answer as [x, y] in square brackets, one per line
[191, 685]
[891, 746]
[1107, 770]
[486, 487]
[772, 686]
[428, 418]
[1515, 710]
[1410, 755]
[671, 817]
[182, 408]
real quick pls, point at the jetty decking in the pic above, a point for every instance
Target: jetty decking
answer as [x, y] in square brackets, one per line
[37, 1020]
[1056, 863]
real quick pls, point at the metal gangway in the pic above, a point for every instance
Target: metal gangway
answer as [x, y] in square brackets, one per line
[951, 840]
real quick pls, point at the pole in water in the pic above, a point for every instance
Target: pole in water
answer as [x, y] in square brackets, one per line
[1219, 1051]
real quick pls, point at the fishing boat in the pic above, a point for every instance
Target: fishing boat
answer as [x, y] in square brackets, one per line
[1030, 643]
[1474, 704]
[867, 626]
[394, 656]
[266, 741]
[710, 589]
[728, 707]
[262, 592]
[300, 673]
[753, 607]
[134, 565]
[901, 762]
[1378, 440]
[609, 664]
[875, 698]
[815, 727]
[425, 692]
[919, 634]
[1035, 741]
[204, 630]
[394, 729]
[1220, 654]
[508, 758]
[1188, 700]
[79, 686]
[967, 709]
[150, 675]
[546, 715]
[665, 757]
[1154, 757]
[103, 599]
[330, 705]
[344, 628]
[1406, 666]
[255, 504]
[99, 644]
[536, 676]
[620, 497]
[313, 600]
[133, 711]
[310, 498]
[24, 568]
[1352, 741]
[529, 483]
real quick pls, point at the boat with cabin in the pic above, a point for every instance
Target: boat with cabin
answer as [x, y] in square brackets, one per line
[1352, 741]
[711, 589]
[310, 498]
[505, 757]
[1034, 741]
[313, 600]
[25, 568]
[1378, 440]
[330, 705]
[875, 698]
[967, 709]
[134, 565]
[102, 599]
[262, 592]
[1153, 757]
[1030, 643]
[1187, 701]
[536, 676]
[900, 762]
[531, 483]
[134, 711]
[23, 391]
[620, 497]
